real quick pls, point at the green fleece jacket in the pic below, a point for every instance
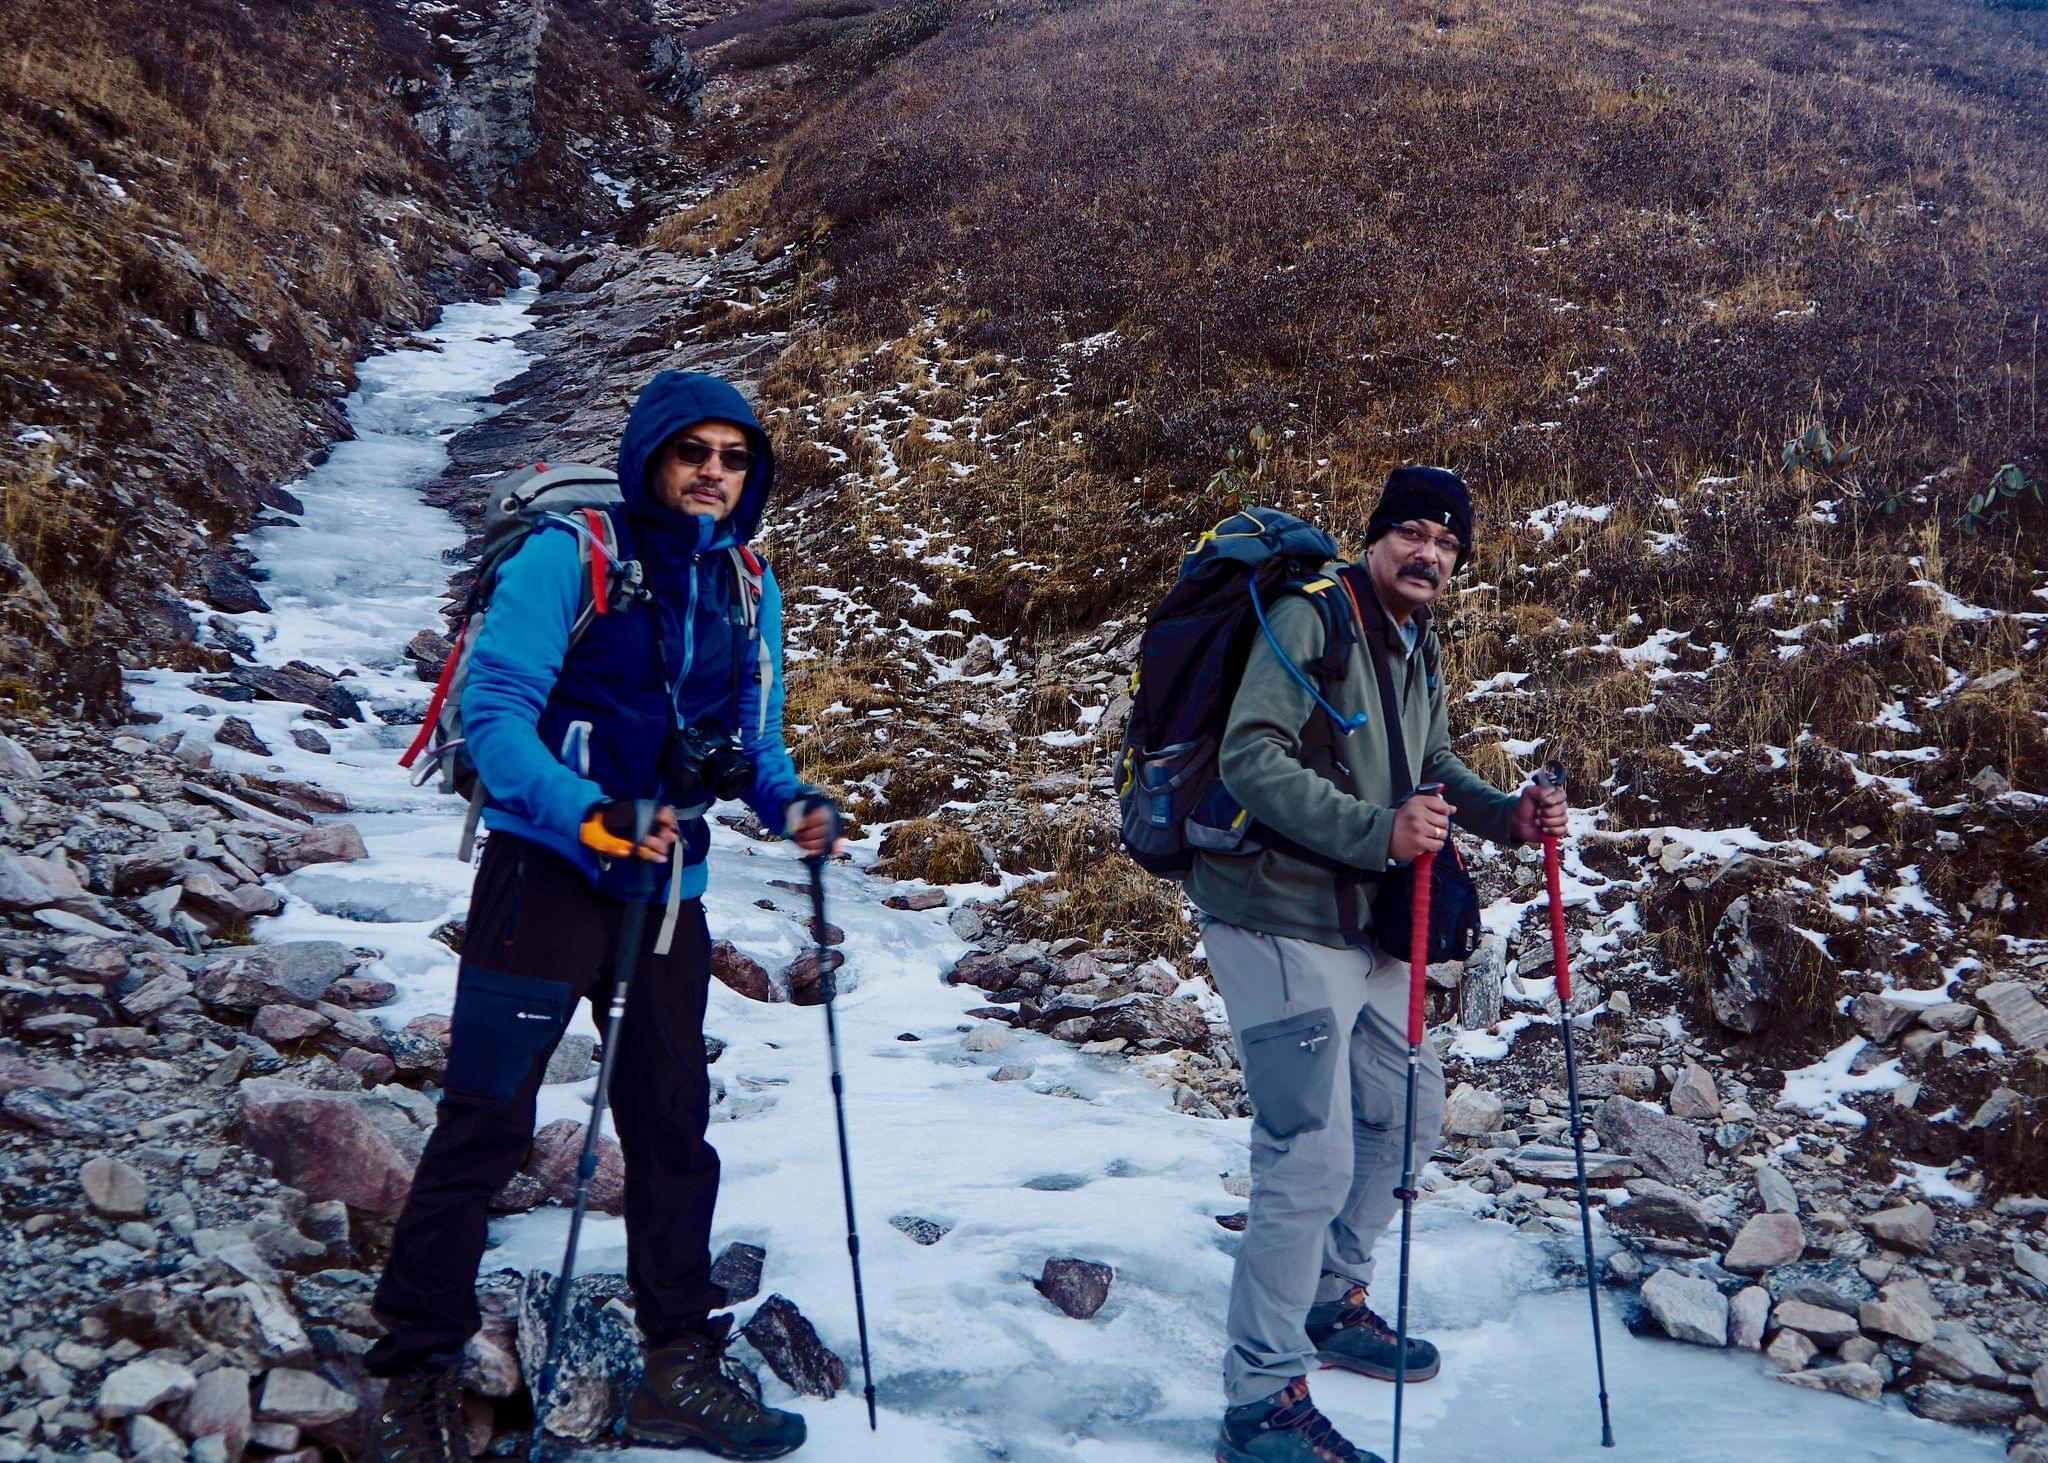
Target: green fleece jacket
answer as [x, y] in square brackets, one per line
[1325, 791]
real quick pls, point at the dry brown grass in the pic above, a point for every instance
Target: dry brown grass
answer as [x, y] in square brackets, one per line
[1607, 256]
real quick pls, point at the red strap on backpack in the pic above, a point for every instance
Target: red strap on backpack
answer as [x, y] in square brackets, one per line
[440, 697]
[600, 566]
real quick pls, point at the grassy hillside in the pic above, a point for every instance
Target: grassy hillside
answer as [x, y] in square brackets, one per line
[1745, 303]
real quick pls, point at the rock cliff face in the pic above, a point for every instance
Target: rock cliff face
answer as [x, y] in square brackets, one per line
[478, 110]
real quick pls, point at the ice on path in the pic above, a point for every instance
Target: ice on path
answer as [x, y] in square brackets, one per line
[971, 1363]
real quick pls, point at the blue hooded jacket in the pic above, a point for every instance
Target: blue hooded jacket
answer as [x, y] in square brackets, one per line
[553, 733]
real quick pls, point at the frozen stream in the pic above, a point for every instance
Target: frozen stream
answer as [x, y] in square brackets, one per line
[971, 1362]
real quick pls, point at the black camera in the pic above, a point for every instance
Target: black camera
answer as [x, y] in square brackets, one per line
[707, 755]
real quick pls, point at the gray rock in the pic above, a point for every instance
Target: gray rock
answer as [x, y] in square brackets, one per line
[1897, 1315]
[235, 731]
[1949, 1016]
[1657, 1208]
[17, 764]
[1825, 1327]
[143, 1386]
[1077, 1287]
[921, 1231]
[1765, 1242]
[2023, 1019]
[598, 1364]
[45, 1112]
[1965, 1406]
[302, 1397]
[1479, 994]
[1694, 1095]
[116, 1189]
[150, 1441]
[737, 1271]
[1472, 1112]
[219, 1407]
[1666, 1147]
[2031, 1262]
[1790, 1351]
[1879, 1019]
[25, 884]
[1687, 1307]
[572, 1059]
[793, 1351]
[1738, 978]
[1849, 1379]
[228, 589]
[1907, 1227]
[1776, 1191]
[1957, 1354]
[298, 973]
[1747, 1313]
[1832, 1285]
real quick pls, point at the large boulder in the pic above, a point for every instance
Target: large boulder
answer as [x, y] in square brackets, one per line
[1738, 975]
[1687, 1307]
[1151, 1018]
[250, 978]
[325, 1145]
[1666, 1147]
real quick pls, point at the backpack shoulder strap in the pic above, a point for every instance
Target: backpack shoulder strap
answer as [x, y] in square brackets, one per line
[750, 573]
[1373, 622]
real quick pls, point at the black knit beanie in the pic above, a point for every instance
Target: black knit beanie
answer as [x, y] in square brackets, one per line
[1428, 495]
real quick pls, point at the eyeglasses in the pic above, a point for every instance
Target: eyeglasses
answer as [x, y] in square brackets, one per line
[1412, 537]
[692, 453]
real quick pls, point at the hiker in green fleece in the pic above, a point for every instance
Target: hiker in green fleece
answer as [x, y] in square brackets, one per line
[1289, 943]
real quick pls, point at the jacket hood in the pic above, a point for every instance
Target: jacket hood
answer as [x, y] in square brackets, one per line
[670, 402]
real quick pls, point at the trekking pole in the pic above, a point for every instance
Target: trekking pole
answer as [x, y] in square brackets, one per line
[1418, 981]
[630, 930]
[1552, 775]
[828, 986]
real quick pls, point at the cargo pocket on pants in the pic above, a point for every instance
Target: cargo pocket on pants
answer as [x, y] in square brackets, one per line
[1289, 1066]
[502, 1024]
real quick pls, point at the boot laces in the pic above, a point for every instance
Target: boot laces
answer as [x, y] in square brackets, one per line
[721, 1389]
[1357, 1313]
[1300, 1415]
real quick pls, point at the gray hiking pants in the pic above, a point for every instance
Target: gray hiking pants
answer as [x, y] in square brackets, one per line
[1322, 1035]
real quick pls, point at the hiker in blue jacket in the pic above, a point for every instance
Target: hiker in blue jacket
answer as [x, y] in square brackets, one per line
[673, 697]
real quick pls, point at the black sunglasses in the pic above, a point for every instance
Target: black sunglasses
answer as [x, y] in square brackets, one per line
[692, 453]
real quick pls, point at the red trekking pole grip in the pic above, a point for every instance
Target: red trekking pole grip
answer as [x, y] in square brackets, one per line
[1553, 880]
[1418, 945]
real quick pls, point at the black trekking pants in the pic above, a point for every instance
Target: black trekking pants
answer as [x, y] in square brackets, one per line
[539, 938]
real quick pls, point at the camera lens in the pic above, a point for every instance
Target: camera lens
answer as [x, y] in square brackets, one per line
[727, 773]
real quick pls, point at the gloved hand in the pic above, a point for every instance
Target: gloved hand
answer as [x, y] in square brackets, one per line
[608, 832]
[813, 822]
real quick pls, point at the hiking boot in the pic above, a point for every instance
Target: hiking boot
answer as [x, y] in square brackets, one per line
[420, 1419]
[691, 1398]
[1350, 1334]
[1284, 1428]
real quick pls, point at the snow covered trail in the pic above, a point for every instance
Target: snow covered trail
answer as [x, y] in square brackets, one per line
[971, 1362]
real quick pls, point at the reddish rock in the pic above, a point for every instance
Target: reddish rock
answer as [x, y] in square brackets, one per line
[282, 1025]
[372, 1067]
[983, 972]
[324, 1145]
[557, 1147]
[791, 1345]
[362, 990]
[328, 843]
[917, 899]
[1078, 1287]
[743, 973]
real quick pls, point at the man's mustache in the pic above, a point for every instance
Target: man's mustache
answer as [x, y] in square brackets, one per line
[1423, 572]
